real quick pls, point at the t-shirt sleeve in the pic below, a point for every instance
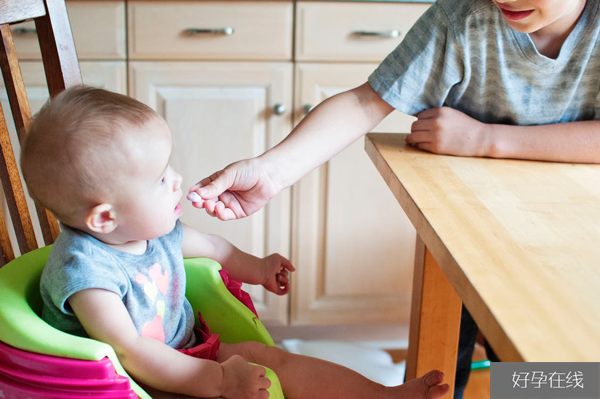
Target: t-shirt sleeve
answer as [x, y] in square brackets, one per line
[420, 72]
[81, 267]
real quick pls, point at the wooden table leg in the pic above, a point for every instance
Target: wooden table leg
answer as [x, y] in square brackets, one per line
[434, 320]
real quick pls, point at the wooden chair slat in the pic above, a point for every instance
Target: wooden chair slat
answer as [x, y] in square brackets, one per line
[48, 224]
[7, 250]
[60, 62]
[13, 79]
[21, 111]
[12, 11]
[13, 191]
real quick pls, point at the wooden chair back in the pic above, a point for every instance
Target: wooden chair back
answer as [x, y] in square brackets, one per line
[62, 71]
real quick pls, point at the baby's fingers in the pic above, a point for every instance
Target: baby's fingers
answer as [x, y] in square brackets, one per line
[287, 265]
[284, 289]
[282, 279]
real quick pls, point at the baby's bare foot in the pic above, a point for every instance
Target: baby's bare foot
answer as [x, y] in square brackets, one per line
[428, 386]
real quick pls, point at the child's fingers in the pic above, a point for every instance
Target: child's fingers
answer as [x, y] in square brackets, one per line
[212, 186]
[422, 125]
[265, 383]
[429, 113]
[283, 289]
[418, 137]
[263, 394]
[196, 200]
[287, 264]
[224, 213]
[426, 147]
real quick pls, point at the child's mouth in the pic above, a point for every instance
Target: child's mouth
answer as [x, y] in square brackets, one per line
[516, 15]
[178, 211]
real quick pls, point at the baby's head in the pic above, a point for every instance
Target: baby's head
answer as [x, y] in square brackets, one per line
[100, 161]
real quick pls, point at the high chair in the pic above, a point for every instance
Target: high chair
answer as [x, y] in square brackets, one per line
[36, 360]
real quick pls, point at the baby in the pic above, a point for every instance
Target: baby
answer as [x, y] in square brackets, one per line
[100, 162]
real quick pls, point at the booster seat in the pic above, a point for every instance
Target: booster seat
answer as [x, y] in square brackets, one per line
[38, 361]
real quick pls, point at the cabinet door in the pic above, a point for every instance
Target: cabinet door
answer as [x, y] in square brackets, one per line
[110, 75]
[221, 112]
[352, 245]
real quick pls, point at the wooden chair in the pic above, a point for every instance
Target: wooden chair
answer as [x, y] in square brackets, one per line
[62, 71]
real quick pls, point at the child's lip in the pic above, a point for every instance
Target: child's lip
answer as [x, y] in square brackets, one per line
[515, 14]
[178, 211]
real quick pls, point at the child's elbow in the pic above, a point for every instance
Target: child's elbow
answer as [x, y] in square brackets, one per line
[375, 107]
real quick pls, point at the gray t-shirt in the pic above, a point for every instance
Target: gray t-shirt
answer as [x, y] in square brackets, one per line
[463, 54]
[151, 285]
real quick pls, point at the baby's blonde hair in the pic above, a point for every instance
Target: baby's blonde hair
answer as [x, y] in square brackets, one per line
[75, 144]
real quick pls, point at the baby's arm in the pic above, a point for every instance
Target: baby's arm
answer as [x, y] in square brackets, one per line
[448, 131]
[105, 318]
[271, 271]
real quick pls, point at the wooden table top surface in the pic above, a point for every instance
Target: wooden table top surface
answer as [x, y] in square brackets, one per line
[518, 240]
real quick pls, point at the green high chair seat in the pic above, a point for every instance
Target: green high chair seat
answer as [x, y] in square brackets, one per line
[23, 329]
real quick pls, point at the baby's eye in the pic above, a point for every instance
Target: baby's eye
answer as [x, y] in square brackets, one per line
[162, 181]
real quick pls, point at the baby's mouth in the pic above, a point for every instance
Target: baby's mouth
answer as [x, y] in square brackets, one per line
[178, 211]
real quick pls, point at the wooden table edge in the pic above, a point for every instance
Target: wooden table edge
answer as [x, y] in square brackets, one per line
[428, 242]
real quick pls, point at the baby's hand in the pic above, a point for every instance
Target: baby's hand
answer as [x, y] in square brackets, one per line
[276, 274]
[241, 380]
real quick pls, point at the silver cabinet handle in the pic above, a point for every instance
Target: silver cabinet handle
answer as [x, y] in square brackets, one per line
[307, 108]
[279, 109]
[24, 31]
[394, 33]
[217, 31]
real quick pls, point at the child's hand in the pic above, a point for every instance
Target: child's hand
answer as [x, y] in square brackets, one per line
[242, 380]
[448, 131]
[276, 274]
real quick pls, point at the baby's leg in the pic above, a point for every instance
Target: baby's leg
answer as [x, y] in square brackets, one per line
[304, 377]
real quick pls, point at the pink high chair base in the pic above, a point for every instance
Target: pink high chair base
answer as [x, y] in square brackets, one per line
[30, 375]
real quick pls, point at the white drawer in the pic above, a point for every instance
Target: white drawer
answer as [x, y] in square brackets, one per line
[98, 30]
[259, 30]
[335, 31]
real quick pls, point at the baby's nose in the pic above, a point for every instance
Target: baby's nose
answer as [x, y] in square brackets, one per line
[178, 181]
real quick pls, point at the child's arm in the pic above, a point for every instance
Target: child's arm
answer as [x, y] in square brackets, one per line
[246, 186]
[271, 271]
[448, 131]
[105, 318]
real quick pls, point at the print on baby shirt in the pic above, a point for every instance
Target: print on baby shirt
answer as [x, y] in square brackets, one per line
[158, 282]
[151, 285]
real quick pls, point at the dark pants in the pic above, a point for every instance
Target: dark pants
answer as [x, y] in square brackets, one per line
[466, 345]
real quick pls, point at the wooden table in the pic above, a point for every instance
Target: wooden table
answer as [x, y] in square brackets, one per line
[517, 241]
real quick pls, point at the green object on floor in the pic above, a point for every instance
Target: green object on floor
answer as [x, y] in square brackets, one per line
[482, 364]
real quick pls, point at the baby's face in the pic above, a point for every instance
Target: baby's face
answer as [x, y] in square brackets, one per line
[553, 16]
[148, 206]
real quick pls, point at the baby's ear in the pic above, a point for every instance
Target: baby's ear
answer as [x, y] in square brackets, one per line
[101, 219]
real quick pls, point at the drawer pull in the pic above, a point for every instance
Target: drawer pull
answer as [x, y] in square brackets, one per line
[24, 31]
[279, 109]
[217, 31]
[394, 33]
[307, 108]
